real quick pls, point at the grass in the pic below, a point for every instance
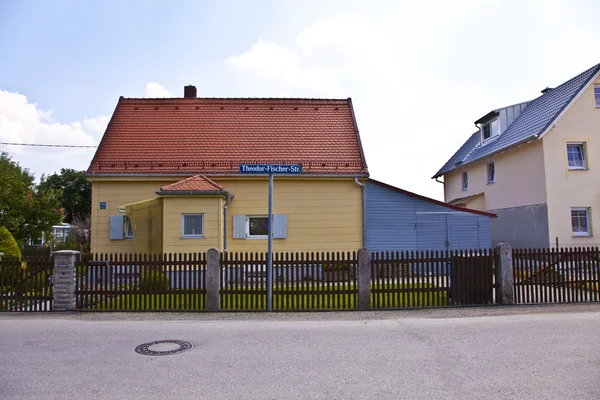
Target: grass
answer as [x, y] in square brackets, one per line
[256, 299]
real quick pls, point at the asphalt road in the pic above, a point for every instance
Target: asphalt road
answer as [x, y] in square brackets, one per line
[477, 353]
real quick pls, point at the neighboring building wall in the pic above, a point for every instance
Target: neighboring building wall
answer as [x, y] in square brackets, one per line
[322, 213]
[521, 227]
[519, 179]
[393, 220]
[174, 207]
[117, 193]
[573, 188]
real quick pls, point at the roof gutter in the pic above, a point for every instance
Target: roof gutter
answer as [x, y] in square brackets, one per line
[364, 207]
[225, 222]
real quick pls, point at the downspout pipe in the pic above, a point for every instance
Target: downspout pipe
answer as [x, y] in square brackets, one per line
[364, 195]
[225, 222]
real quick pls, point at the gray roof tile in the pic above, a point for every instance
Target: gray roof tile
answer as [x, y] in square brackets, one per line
[533, 121]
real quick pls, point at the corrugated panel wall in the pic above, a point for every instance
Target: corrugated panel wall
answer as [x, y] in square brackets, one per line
[392, 223]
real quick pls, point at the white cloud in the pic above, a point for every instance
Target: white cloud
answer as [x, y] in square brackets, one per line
[23, 122]
[154, 89]
[419, 73]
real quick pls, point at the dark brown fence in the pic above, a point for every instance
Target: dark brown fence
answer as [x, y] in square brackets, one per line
[141, 282]
[301, 281]
[565, 275]
[431, 279]
[26, 285]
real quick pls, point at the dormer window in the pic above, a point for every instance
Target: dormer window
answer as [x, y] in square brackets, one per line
[489, 130]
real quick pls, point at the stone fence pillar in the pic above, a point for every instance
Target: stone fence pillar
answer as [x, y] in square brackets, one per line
[213, 280]
[504, 274]
[63, 280]
[364, 279]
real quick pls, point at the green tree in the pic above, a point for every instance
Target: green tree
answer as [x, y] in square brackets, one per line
[8, 245]
[25, 210]
[74, 193]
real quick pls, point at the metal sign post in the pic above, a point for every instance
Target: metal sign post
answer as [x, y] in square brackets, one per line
[270, 169]
[270, 249]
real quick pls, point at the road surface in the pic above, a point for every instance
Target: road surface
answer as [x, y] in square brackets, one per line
[469, 353]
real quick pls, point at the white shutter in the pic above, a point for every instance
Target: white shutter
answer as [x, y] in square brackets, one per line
[116, 227]
[239, 226]
[279, 226]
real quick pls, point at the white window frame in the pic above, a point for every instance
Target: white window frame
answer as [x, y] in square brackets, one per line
[585, 156]
[494, 125]
[490, 180]
[248, 235]
[597, 96]
[464, 181]
[588, 222]
[126, 226]
[195, 235]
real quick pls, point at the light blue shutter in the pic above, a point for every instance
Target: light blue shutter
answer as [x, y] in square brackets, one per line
[279, 226]
[239, 226]
[116, 227]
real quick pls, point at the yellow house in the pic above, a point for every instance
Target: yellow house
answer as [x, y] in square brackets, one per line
[166, 177]
[535, 165]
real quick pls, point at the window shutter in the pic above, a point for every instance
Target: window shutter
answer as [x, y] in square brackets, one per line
[279, 226]
[116, 227]
[239, 226]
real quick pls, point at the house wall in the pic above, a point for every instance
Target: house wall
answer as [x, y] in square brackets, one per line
[322, 213]
[397, 221]
[519, 179]
[573, 188]
[210, 207]
[117, 193]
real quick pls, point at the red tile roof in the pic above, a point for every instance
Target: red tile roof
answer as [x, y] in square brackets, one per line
[196, 183]
[213, 136]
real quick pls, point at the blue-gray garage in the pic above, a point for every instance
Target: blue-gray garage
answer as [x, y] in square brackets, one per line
[400, 220]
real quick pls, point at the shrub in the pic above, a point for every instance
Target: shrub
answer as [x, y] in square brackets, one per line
[8, 244]
[155, 282]
[336, 267]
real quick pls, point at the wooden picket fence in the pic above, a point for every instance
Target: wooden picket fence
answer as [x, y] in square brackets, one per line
[25, 285]
[565, 275]
[140, 282]
[301, 281]
[432, 278]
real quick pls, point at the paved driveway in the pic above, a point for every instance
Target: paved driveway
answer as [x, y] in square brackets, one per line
[472, 353]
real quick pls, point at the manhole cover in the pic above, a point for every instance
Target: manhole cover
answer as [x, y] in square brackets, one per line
[163, 347]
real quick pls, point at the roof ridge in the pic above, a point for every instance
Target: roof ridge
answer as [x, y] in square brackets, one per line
[323, 99]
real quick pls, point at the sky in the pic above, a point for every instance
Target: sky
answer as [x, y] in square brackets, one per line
[419, 73]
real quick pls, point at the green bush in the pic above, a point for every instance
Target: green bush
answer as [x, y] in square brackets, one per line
[155, 282]
[8, 244]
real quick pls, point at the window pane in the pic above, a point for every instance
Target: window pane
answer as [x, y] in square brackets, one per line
[258, 226]
[127, 229]
[487, 131]
[575, 156]
[491, 172]
[579, 221]
[192, 225]
[597, 96]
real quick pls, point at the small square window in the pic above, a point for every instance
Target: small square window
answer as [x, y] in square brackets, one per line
[489, 130]
[257, 227]
[465, 181]
[491, 173]
[127, 228]
[192, 225]
[576, 156]
[597, 95]
[580, 221]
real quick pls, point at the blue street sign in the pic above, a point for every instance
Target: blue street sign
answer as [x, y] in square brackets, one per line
[102, 205]
[270, 169]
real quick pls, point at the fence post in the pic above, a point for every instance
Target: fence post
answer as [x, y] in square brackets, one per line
[63, 280]
[364, 279]
[504, 274]
[213, 283]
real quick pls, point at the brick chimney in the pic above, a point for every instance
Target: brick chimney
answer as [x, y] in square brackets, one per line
[189, 92]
